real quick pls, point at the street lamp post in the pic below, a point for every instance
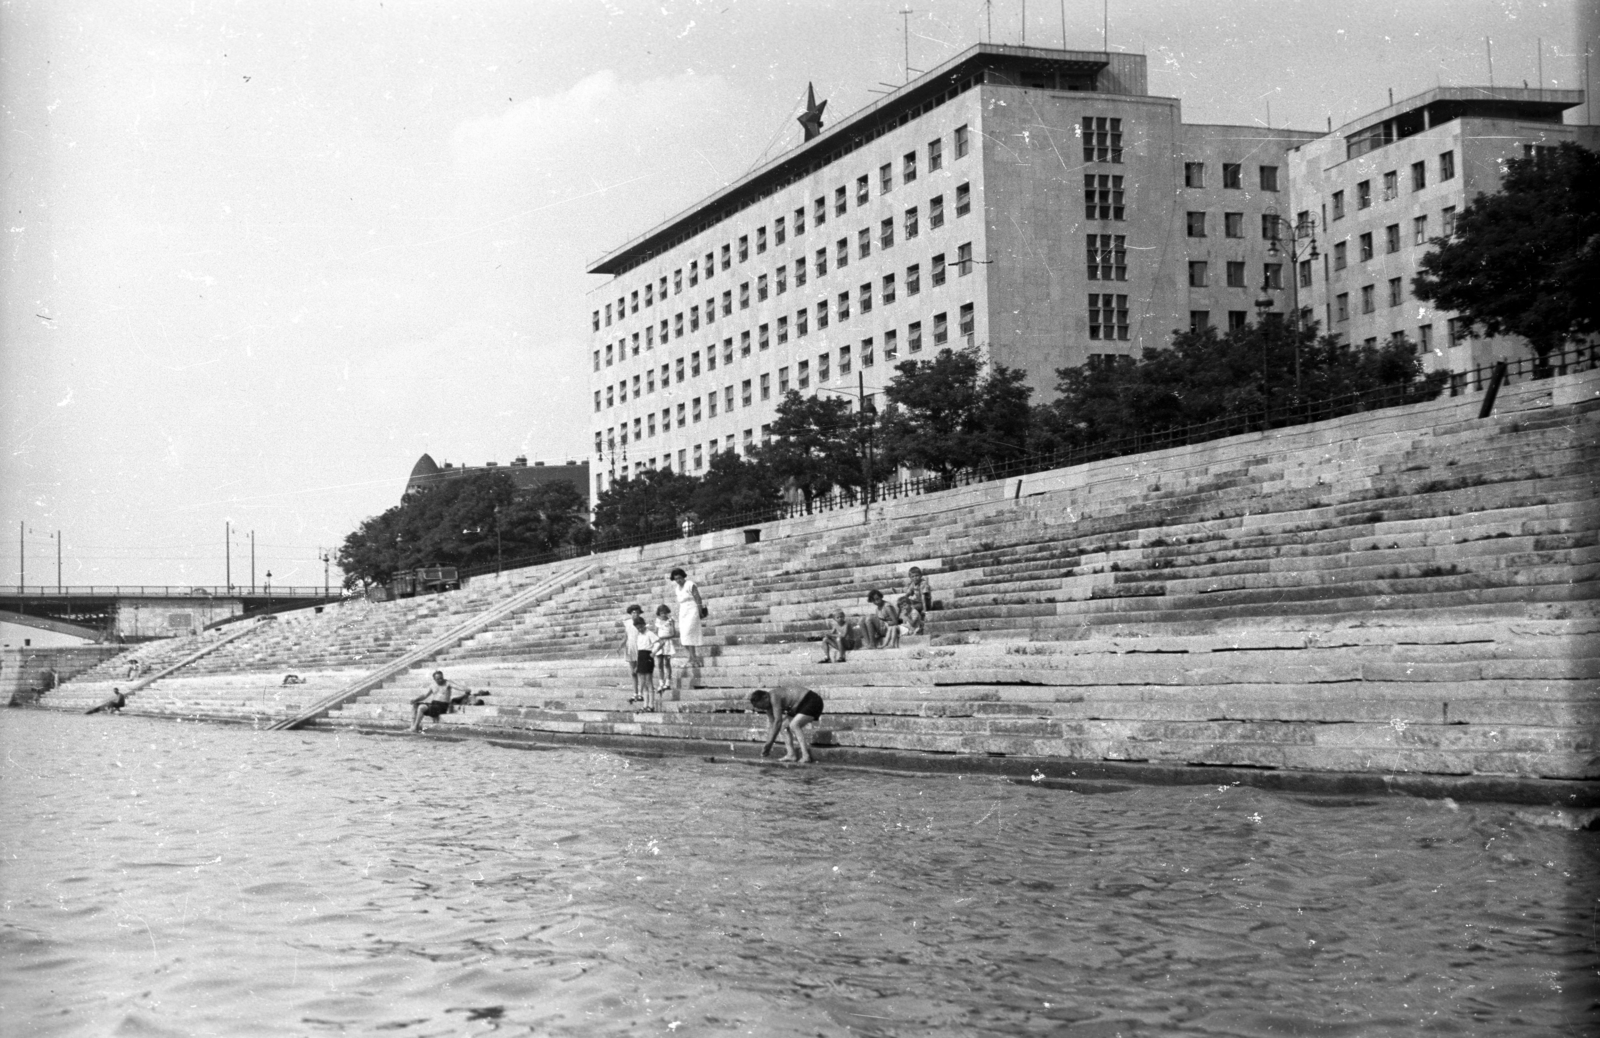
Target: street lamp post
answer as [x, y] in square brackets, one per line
[1302, 239]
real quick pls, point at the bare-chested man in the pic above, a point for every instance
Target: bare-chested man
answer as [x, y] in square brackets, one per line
[792, 709]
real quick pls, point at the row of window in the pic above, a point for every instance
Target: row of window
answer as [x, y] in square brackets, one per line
[1369, 299]
[1232, 225]
[1391, 183]
[778, 279]
[1194, 175]
[887, 290]
[783, 226]
[1366, 243]
[867, 353]
[1200, 274]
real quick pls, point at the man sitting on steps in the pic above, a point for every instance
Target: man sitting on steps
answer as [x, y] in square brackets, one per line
[433, 703]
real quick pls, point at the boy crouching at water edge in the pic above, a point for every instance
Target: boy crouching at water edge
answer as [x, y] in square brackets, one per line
[792, 709]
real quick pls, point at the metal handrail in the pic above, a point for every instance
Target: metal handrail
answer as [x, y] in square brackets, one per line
[170, 591]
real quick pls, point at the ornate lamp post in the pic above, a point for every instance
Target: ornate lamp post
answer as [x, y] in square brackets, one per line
[1301, 247]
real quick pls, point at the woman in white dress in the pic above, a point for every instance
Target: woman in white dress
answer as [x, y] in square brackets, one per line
[691, 610]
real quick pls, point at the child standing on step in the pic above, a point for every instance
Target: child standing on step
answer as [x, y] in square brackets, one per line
[644, 646]
[666, 646]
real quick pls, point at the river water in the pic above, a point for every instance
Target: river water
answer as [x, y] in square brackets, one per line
[162, 878]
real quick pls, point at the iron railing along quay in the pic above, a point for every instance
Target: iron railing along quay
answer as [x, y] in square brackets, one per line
[165, 591]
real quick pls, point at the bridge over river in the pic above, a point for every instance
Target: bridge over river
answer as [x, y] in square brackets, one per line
[157, 610]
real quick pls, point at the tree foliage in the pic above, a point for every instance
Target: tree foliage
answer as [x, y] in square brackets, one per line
[1526, 259]
[453, 522]
[815, 446]
[1205, 376]
[953, 414]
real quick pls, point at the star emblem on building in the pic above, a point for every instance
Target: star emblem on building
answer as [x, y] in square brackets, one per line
[811, 118]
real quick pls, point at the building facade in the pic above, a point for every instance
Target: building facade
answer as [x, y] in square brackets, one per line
[1037, 205]
[427, 472]
[1377, 192]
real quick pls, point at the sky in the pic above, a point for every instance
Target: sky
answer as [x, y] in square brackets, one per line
[262, 256]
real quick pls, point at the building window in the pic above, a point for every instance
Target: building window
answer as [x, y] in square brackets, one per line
[1338, 205]
[761, 288]
[963, 199]
[885, 178]
[1199, 320]
[844, 360]
[1391, 238]
[961, 141]
[822, 368]
[783, 381]
[964, 259]
[1341, 306]
[966, 328]
[1233, 225]
[1340, 254]
[819, 212]
[908, 168]
[886, 233]
[864, 295]
[863, 189]
[843, 309]
[1235, 273]
[1272, 275]
[941, 330]
[597, 358]
[766, 387]
[695, 415]
[650, 294]
[783, 330]
[1425, 337]
[1419, 231]
[778, 235]
[822, 262]
[913, 279]
[1237, 319]
[799, 221]
[762, 340]
[1447, 220]
[780, 279]
[1365, 244]
[744, 393]
[911, 223]
[936, 212]
[1369, 300]
[1271, 224]
[1108, 316]
[822, 315]
[800, 271]
[1102, 196]
[935, 154]
[1305, 273]
[1447, 165]
[744, 247]
[800, 322]
[1102, 139]
[1397, 292]
[1194, 174]
[744, 295]
[1459, 330]
[1232, 176]
[711, 357]
[683, 416]
[1108, 257]
[1197, 225]
[1391, 185]
[678, 367]
[938, 270]
[888, 289]
[841, 253]
[1364, 195]
[802, 373]
[744, 343]
[841, 199]
[1269, 178]
[1197, 274]
[868, 358]
[597, 404]
[650, 423]
[914, 337]
[694, 364]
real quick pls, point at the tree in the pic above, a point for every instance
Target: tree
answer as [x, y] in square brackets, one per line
[815, 445]
[1526, 259]
[464, 521]
[1208, 377]
[734, 489]
[649, 506]
[953, 413]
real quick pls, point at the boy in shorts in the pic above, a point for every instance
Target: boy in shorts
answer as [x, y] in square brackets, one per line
[644, 665]
[792, 709]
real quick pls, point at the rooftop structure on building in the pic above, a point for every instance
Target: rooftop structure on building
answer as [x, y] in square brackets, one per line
[1036, 205]
[524, 476]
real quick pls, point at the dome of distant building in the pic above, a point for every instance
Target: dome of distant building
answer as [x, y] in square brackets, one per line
[425, 466]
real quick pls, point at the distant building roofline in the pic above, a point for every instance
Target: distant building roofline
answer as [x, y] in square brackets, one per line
[1545, 102]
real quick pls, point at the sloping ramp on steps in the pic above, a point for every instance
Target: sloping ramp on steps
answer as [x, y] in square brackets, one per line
[551, 584]
[152, 678]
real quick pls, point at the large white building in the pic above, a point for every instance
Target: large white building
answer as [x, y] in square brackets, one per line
[1036, 204]
[1377, 191]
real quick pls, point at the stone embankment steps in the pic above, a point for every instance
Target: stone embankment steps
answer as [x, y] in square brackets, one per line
[166, 659]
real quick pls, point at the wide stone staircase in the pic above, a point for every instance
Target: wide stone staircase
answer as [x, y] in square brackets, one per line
[1411, 590]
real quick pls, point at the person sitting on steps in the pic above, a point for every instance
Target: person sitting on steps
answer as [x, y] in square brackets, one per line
[839, 638]
[434, 703]
[915, 603]
[883, 627]
[113, 705]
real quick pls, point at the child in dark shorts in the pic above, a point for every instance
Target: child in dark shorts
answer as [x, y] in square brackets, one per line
[792, 709]
[644, 666]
